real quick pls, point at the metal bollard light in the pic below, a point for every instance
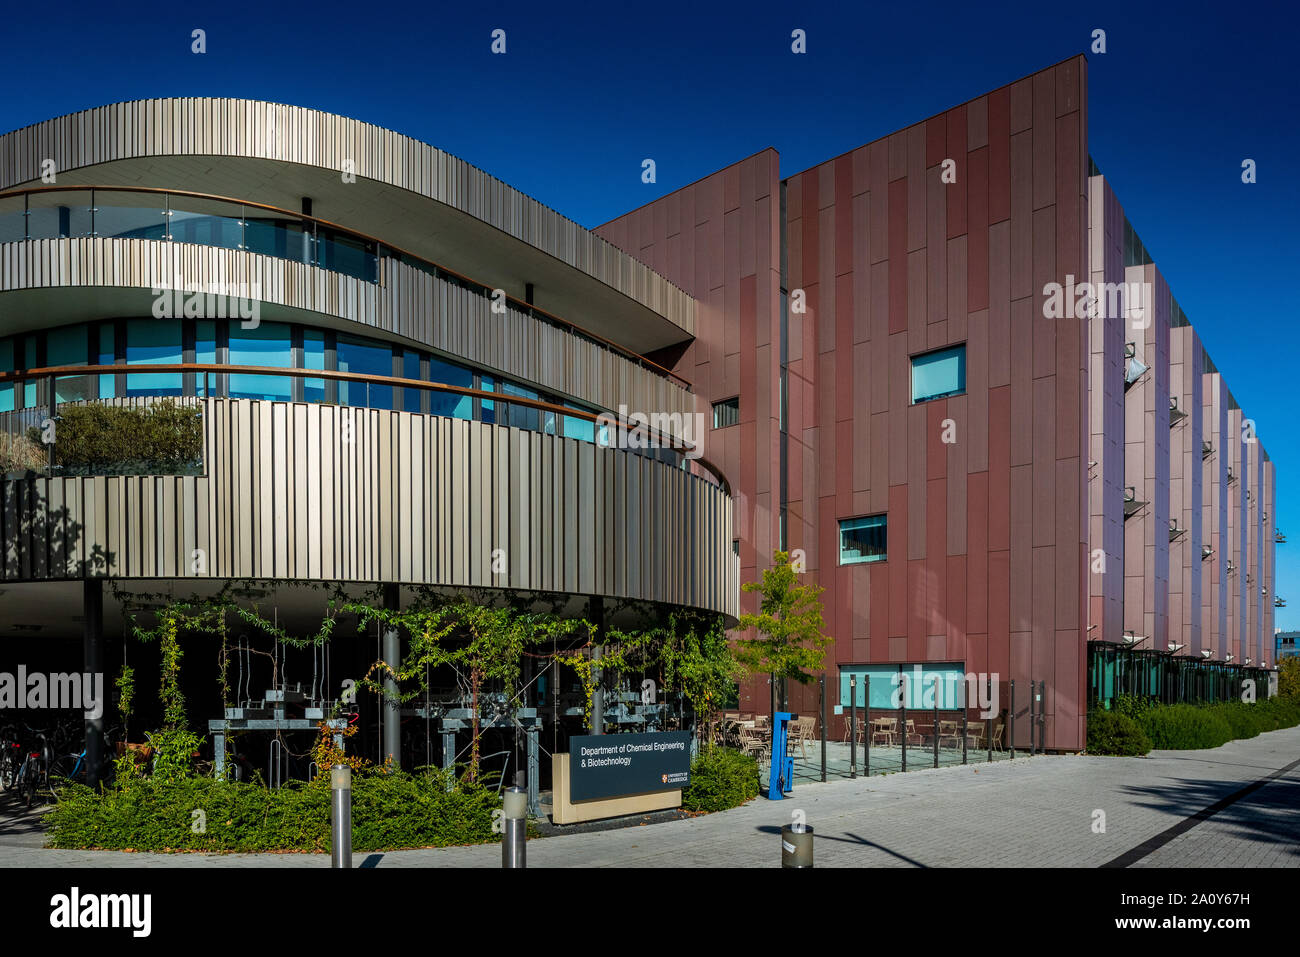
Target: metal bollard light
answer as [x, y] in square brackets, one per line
[341, 816]
[797, 845]
[514, 840]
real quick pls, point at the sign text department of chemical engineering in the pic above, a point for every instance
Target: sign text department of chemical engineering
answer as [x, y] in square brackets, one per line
[617, 765]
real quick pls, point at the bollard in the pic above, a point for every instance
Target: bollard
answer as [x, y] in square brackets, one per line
[341, 824]
[853, 726]
[934, 724]
[1011, 721]
[514, 841]
[902, 718]
[796, 845]
[824, 734]
[993, 711]
[866, 725]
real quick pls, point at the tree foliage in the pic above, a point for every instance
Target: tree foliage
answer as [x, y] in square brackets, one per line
[789, 640]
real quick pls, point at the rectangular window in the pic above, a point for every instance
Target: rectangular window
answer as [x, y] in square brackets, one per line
[107, 356]
[151, 341]
[31, 350]
[449, 403]
[6, 365]
[267, 344]
[880, 686]
[313, 357]
[412, 399]
[521, 416]
[68, 347]
[862, 539]
[205, 353]
[581, 429]
[726, 412]
[367, 358]
[939, 373]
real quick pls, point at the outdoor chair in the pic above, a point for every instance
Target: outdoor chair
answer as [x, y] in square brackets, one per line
[848, 725]
[913, 736]
[886, 729]
[975, 733]
[949, 731]
[997, 734]
[804, 729]
[754, 742]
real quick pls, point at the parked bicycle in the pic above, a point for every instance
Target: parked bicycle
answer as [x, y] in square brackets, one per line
[33, 779]
[11, 756]
[74, 767]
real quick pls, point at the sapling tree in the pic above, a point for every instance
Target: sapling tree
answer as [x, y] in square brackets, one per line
[789, 642]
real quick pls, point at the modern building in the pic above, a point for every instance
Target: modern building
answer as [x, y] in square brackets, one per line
[987, 472]
[400, 365]
[1285, 645]
[941, 368]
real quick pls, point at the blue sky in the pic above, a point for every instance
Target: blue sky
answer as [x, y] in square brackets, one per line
[1183, 94]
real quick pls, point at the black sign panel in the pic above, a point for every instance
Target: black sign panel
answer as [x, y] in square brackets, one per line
[618, 765]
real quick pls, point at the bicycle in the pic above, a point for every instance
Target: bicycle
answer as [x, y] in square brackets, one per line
[34, 773]
[73, 767]
[11, 750]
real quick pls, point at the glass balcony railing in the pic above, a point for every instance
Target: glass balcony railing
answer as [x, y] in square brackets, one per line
[58, 212]
[160, 436]
[68, 432]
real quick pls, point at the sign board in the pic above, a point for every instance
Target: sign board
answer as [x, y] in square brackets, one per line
[617, 765]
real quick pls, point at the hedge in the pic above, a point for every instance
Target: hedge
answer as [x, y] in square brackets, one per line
[162, 438]
[1115, 733]
[1181, 727]
[721, 778]
[389, 811]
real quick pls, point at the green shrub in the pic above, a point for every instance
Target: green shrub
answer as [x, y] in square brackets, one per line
[1243, 721]
[1288, 678]
[173, 753]
[721, 778]
[162, 438]
[389, 811]
[18, 453]
[1113, 732]
[1181, 727]
[1274, 713]
[1133, 706]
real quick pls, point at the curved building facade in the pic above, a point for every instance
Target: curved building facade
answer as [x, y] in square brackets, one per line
[399, 370]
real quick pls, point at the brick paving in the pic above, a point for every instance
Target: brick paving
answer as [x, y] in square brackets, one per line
[1037, 812]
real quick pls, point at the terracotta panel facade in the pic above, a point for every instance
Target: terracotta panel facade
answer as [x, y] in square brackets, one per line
[1007, 544]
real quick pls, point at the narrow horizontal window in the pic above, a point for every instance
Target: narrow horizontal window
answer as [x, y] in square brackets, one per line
[726, 412]
[939, 373]
[862, 539]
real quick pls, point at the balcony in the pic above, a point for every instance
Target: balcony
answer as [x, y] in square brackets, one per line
[118, 212]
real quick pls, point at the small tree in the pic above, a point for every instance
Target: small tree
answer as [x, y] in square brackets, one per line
[1288, 678]
[790, 642]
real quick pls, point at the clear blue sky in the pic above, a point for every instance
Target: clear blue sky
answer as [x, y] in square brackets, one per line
[1183, 94]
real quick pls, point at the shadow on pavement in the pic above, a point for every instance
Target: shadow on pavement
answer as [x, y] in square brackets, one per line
[849, 839]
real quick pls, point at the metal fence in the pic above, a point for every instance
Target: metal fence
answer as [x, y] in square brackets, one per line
[866, 740]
